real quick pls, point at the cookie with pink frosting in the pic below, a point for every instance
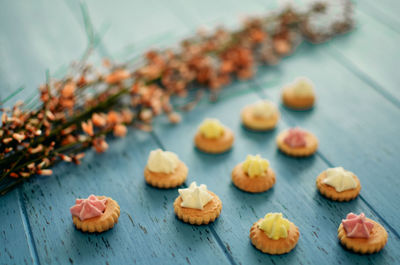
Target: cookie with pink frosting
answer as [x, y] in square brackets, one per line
[95, 214]
[297, 142]
[361, 234]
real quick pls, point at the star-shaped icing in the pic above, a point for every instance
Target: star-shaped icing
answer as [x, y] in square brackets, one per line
[88, 208]
[195, 196]
[357, 226]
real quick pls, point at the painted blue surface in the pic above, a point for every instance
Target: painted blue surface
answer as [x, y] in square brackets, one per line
[357, 120]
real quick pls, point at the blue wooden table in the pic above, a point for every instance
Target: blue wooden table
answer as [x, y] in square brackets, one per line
[357, 120]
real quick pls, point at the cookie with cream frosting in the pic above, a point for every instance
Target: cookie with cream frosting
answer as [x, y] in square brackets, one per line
[95, 214]
[253, 175]
[260, 116]
[297, 142]
[274, 234]
[299, 95]
[213, 137]
[197, 205]
[338, 184]
[164, 170]
[361, 234]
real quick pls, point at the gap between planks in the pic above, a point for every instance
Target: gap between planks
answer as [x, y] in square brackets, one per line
[27, 227]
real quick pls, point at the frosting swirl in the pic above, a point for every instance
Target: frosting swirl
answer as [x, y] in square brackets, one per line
[357, 226]
[302, 87]
[195, 196]
[263, 109]
[275, 226]
[255, 166]
[211, 128]
[340, 179]
[162, 161]
[88, 208]
[295, 138]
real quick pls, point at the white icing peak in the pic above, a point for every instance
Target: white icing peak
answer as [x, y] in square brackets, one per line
[264, 109]
[302, 87]
[162, 161]
[340, 179]
[195, 196]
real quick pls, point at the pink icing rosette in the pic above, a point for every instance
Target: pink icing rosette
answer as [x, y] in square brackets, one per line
[296, 138]
[88, 208]
[357, 226]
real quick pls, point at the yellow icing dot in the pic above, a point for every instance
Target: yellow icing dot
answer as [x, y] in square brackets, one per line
[255, 166]
[275, 226]
[211, 128]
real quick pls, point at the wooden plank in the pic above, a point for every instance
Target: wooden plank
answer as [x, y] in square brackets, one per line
[354, 123]
[147, 232]
[33, 38]
[371, 51]
[294, 193]
[133, 26]
[385, 11]
[15, 247]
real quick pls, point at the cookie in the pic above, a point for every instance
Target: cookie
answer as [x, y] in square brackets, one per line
[309, 148]
[376, 240]
[274, 246]
[100, 223]
[207, 215]
[167, 180]
[215, 145]
[257, 184]
[331, 193]
[299, 95]
[253, 118]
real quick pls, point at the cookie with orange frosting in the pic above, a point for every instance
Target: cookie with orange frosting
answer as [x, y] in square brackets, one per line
[95, 214]
[197, 205]
[253, 175]
[213, 137]
[274, 234]
[164, 170]
[260, 116]
[299, 95]
[297, 142]
[362, 235]
[338, 184]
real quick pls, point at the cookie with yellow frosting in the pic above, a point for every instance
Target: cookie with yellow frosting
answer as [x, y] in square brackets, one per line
[95, 214]
[338, 184]
[362, 235]
[253, 175]
[164, 170]
[197, 205]
[297, 142]
[274, 234]
[299, 95]
[260, 116]
[213, 137]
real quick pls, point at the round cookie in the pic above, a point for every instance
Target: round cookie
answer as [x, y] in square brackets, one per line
[291, 101]
[257, 184]
[256, 123]
[167, 180]
[100, 223]
[267, 245]
[208, 214]
[217, 145]
[376, 241]
[331, 193]
[310, 148]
